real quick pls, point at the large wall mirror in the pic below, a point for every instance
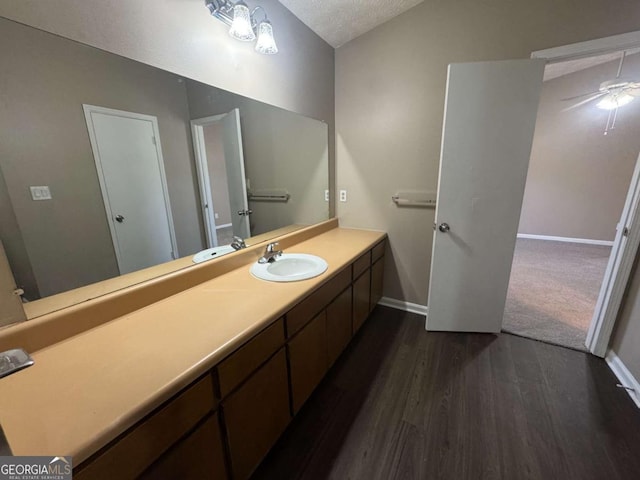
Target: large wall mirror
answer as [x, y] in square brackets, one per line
[109, 166]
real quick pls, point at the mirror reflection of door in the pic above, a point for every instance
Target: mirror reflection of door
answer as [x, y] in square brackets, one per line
[128, 156]
[10, 304]
[221, 177]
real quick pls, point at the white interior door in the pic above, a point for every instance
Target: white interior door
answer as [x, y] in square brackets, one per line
[126, 147]
[489, 121]
[234, 158]
[11, 310]
[234, 166]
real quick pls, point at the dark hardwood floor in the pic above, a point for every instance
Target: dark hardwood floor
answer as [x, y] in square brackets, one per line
[402, 403]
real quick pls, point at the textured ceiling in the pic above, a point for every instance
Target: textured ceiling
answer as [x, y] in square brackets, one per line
[555, 70]
[338, 21]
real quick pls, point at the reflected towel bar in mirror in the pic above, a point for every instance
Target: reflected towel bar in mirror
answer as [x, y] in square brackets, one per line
[269, 196]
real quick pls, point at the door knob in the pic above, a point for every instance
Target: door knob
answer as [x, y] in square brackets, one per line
[119, 218]
[444, 227]
[245, 212]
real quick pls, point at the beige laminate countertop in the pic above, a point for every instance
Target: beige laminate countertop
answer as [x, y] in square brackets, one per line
[86, 390]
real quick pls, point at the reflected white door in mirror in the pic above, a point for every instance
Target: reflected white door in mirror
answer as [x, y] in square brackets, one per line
[10, 304]
[217, 144]
[128, 155]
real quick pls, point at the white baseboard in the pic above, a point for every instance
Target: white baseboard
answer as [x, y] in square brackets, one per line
[589, 241]
[406, 306]
[624, 375]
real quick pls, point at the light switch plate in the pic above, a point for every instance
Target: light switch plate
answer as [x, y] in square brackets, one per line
[326, 195]
[343, 195]
[40, 193]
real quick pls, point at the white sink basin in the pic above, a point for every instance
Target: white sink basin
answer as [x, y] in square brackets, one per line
[290, 267]
[211, 253]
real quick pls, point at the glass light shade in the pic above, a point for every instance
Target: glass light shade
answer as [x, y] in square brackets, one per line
[611, 101]
[241, 26]
[266, 44]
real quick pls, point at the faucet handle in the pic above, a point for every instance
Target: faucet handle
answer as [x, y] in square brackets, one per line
[238, 243]
[272, 247]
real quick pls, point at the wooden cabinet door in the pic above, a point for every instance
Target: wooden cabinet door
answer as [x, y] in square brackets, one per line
[256, 414]
[339, 325]
[240, 364]
[377, 276]
[308, 359]
[197, 457]
[146, 442]
[361, 295]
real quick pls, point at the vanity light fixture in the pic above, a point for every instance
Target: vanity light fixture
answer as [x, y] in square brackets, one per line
[243, 24]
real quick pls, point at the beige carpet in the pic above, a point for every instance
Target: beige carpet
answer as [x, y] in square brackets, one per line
[553, 290]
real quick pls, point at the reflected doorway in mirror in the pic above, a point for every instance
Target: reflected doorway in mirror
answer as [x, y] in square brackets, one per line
[219, 155]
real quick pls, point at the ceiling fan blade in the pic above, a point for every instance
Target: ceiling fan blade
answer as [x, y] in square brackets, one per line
[582, 95]
[633, 89]
[583, 102]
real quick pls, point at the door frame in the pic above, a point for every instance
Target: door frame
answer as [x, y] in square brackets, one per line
[204, 182]
[88, 110]
[623, 254]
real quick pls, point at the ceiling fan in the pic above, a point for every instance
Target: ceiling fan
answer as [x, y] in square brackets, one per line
[612, 94]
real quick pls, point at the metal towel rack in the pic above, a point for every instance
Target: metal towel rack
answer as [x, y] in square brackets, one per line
[269, 196]
[415, 199]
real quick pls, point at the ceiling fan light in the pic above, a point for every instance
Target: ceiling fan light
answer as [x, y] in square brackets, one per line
[241, 28]
[611, 101]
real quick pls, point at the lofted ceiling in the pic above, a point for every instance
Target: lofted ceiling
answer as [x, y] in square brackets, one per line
[339, 21]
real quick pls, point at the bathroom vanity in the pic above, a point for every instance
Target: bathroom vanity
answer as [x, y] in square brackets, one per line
[201, 382]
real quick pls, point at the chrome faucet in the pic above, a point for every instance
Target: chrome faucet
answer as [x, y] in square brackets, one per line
[270, 253]
[238, 243]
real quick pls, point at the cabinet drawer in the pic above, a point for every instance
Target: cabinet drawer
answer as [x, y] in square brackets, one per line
[308, 360]
[299, 315]
[197, 457]
[361, 264]
[377, 277]
[256, 414]
[240, 364]
[144, 444]
[339, 327]
[378, 250]
[361, 291]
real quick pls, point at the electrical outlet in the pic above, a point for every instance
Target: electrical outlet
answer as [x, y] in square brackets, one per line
[343, 195]
[215, 215]
[40, 193]
[326, 195]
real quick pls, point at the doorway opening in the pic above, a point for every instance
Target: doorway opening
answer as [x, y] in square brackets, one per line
[221, 177]
[578, 203]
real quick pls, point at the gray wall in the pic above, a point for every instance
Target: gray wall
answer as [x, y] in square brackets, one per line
[282, 150]
[182, 37]
[390, 86]
[44, 141]
[11, 237]
[578, 178]
[626, 335]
